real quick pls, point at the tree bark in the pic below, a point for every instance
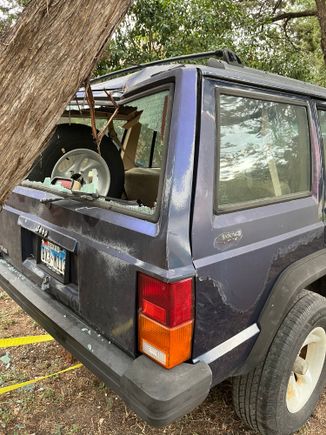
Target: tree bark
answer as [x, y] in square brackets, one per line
[44, 59]
[321, 13]
[291, 15]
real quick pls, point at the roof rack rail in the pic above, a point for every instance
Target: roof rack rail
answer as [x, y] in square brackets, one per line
[225, 54]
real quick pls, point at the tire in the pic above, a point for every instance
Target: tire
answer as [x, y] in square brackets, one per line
[264, 399]
[69, 137]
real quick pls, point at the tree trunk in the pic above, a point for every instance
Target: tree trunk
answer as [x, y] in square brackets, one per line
[44, 59]
[321, 13]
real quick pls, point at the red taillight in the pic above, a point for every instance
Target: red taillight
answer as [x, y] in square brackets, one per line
[168, 303]
[165, 320]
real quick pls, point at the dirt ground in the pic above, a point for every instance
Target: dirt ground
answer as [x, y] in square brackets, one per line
[78, 403]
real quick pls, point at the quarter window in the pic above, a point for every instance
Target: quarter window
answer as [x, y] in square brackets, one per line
[322, 121]
[264, 151]
[153, 110]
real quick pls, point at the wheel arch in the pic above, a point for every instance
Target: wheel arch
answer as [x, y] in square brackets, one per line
[306, 273]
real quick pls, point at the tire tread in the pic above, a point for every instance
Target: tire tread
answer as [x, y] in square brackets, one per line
[249, 389]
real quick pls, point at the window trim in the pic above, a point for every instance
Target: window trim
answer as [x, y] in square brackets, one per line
[264, 96]
[321, 107]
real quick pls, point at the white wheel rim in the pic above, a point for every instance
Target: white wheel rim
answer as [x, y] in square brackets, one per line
[306, 371]
[88, 164]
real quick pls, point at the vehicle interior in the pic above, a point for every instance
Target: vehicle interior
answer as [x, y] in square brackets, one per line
[135, 131]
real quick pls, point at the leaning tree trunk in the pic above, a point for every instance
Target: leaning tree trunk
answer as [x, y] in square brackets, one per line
[49, 53]
[321, 13]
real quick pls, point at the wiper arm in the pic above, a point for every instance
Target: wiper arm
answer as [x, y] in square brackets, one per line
[76, 195]
[86, 196]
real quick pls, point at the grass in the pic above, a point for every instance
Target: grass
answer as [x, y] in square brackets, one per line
[78, 403]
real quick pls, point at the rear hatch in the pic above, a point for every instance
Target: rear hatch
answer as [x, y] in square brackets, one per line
[87, 252]
[101, 258]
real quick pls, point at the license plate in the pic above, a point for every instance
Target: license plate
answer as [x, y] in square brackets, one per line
[53, 257]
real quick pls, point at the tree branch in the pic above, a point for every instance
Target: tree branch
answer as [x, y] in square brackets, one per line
[277, 5]
[287, 36]
[291, 15]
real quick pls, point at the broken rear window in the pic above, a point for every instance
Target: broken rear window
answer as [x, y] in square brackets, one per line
[124, 170]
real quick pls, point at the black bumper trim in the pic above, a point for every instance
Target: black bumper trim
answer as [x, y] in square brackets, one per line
[158, 395]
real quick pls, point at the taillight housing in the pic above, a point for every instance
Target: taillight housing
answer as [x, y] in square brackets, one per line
[165, 319]
[168, 303]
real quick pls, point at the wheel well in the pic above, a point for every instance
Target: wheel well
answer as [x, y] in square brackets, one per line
[307, 273]
[318, 286]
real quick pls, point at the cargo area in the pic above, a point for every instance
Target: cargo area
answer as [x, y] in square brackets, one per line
[108, 151]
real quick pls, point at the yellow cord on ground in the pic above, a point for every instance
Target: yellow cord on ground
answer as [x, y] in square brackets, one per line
[20, 341]
[9, 388]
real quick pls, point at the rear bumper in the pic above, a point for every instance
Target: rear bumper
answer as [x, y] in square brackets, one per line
[158, 395]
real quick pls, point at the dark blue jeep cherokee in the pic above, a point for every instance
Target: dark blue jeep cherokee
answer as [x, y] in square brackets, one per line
[186, 244]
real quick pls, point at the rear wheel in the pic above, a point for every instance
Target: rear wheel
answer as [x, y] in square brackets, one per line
[72, 151]
[282, 392]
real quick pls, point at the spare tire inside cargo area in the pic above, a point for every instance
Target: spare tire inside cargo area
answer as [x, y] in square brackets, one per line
[69, 137]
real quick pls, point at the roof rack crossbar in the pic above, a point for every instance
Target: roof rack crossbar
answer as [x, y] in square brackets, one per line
[225, 54]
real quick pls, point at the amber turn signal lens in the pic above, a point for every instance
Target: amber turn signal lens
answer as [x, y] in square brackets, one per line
[167, 346]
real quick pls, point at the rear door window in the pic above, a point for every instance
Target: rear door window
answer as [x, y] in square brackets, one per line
[264, 151]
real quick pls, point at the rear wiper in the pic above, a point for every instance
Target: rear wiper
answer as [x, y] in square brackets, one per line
[76, 195]
[87, 196]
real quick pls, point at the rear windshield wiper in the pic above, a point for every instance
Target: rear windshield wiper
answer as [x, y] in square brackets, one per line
[86, 196]
[77, 195]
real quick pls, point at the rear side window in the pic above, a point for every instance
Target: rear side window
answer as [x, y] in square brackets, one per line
[322, 121]
[264, 151]
[153, 110]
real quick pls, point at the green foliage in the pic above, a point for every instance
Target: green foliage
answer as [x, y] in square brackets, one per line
[287, 47]
[161, 28]
[155, 29]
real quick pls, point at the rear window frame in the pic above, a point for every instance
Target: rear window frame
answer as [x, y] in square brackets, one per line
[111, 206]
[263, 95]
